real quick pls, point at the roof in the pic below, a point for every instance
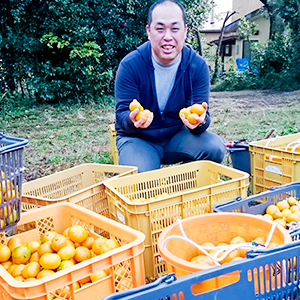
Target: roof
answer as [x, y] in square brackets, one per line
[232, 27]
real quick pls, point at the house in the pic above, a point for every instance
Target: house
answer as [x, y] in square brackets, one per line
[234, 47]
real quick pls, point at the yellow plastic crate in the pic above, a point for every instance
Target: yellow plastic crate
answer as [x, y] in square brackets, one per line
[82, 185]
[113, 148]
[177, 192]
[272, 165]
[125, 263]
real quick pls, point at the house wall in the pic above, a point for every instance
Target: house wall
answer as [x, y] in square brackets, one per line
[263, 27]
[244, 7]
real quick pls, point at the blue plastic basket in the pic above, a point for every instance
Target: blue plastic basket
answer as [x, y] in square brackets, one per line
[257, 204]
[263, 275]
[11, 167]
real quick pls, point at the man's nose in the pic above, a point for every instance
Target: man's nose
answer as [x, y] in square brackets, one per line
[168, 34]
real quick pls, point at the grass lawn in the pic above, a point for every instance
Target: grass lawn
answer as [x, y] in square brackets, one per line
[63, 136]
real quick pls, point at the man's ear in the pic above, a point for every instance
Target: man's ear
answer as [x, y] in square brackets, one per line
[148, 31]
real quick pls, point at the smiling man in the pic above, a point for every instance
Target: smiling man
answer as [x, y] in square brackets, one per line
[165, 75]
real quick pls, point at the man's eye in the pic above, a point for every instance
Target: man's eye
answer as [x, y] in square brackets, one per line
[175, 29]
[159, 29]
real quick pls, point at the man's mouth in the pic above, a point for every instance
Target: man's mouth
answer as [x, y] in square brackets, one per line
[168, 47]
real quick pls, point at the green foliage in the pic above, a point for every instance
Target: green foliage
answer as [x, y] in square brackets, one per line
[246, 28]
[58, 50]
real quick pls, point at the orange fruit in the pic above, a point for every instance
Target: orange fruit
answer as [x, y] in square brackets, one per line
[233, 254]
[82, 253]
[92, 253]
[269, 217]
[65, 232]
[65, 264]
[20, 255]
[294, 208]
[273, 244]
[2, 174]
[88, 242]
[70, 243]
[58, 242]
[281, 222]
[20, 278]
[143, 114]
[134, 104]
[84, 280]
[4, 253]
[292, 201]
[65, 292]
[17, 271]
[30, 279]
[271, 209]
[6, 264]
[97, 244]
[77, 234]
[45, 248]
[66, 252]
[237, 240]
[33, 246]
[202, 260]
[11, 194]
[34, 257]
[197, 108]
[260, 240]
[48, 236]
[97, 276]
[282, 205]
[186, 111]
[50, 261]
[192, 118]
[31, 270]
[6, 185]
[11, 268]
[14, 242]
[293, 217]
[108, 245]
[44, 273]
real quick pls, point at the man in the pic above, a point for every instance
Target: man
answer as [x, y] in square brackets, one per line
[164, 75]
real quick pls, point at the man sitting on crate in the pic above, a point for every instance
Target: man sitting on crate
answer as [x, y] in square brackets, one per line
[164, 75]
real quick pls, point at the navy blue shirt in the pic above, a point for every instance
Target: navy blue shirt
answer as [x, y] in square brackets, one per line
[135, 80]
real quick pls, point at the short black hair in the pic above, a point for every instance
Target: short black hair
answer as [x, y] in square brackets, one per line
[159, 2]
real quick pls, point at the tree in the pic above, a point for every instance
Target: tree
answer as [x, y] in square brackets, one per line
[245, 30]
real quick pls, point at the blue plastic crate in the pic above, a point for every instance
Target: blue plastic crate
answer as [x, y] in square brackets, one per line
[262, 275]
[257, 204]
[11, 167]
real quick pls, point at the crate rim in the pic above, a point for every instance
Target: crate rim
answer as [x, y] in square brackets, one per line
[140, 237]
[273, 190]
[125, 167]
[107, 183]
[14, 143]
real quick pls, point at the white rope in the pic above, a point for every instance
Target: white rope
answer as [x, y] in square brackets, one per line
[226, 248]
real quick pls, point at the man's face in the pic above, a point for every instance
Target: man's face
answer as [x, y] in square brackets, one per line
[167, 32]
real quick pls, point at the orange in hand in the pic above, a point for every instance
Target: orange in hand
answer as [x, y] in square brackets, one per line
[134, 104]
[192, 118]
[197, 108]
[144, 113]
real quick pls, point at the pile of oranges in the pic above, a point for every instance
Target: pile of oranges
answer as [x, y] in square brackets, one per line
[191, 113]
[135, 104]
[7, 192]
[283, 212]
[54, 252]
[234, 255]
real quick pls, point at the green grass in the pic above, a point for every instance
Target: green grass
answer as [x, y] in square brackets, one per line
[63, 136]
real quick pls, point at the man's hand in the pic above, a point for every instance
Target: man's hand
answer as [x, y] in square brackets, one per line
[140, 123]
[199, 120]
